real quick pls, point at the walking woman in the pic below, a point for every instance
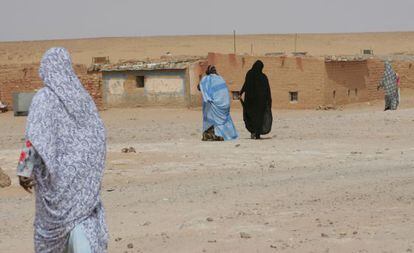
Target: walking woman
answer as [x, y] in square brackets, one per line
[257, 104]
[64, 159]
[217, 122]
[389, 84]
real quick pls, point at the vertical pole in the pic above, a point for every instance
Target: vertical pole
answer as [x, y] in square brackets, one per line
[296, 41]
[234, 40]
[251, 49]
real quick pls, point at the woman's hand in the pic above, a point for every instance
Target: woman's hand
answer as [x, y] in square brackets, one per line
[27, 183]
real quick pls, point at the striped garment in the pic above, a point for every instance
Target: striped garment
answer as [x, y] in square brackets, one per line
[216, 107]
[389, 84]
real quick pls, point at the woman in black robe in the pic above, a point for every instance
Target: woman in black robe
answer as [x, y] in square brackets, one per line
[257, 104]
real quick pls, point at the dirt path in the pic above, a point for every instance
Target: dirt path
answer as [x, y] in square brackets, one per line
[323, 181]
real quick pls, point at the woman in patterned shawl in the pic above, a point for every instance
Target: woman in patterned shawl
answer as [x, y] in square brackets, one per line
[389, 84]
[64, 159]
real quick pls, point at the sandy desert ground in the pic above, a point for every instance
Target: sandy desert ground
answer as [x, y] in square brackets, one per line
[322, 181]
[83, 50]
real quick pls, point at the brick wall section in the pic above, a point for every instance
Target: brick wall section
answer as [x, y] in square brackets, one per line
[317, 82]
[18, 78]
[352, 82]
[376, 72]
[303, 75]
[25, 78]
[195, 73]
[406, 71]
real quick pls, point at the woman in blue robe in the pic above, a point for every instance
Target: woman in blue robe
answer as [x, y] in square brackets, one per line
[217, 122]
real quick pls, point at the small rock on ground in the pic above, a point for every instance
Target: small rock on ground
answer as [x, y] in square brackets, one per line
[245, 235]
[4, 179]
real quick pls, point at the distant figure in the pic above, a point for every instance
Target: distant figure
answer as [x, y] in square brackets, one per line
[257, 104]
[389, 84]
[63, 159]
[217, 122]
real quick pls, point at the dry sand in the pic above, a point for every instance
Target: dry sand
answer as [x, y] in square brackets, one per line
[322, 181]
[83, 50]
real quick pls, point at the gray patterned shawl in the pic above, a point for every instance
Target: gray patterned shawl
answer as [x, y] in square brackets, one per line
[66, 130]
[389, 80]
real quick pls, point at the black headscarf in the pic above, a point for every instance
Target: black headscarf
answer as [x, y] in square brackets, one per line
[257, 105]
[211, 70]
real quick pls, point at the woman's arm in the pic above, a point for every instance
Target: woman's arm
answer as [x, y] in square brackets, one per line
[243, 89]
[28, 159]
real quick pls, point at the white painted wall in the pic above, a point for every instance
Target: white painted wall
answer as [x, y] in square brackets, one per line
[164, 84]
[116, 86]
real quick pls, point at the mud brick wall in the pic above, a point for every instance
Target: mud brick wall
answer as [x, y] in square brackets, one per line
[406, 71]
[352, 81]
[376, 72]
[286, 74]
[25, 78]
[316, 81]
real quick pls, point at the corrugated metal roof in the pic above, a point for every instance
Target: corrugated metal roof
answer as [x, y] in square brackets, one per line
[166, 63]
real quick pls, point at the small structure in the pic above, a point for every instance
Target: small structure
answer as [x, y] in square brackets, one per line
[100, 60]
[367, 51]
[167, 81]
[21, 102]
[275, 54]
[299, 54]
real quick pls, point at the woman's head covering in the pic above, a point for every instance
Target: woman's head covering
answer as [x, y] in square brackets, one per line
[211, 70]
[389, 80]
[388, 68]
[258, 67]
[65, 129]
[58, 75]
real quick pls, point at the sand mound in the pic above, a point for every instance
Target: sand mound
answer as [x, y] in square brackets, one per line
[4, 179]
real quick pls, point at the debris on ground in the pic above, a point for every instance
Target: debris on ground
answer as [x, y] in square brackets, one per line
[328, 108]
[245, 235]
[147, 223]
[4, 179]
[324, 235]
[128, 150]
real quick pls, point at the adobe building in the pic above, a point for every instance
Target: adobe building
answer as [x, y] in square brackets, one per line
[301, 82]
[168, 82]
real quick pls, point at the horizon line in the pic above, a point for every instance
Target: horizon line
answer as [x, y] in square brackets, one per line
[206, 35]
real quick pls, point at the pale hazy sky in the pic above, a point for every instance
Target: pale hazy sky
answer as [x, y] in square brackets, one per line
[61, 19]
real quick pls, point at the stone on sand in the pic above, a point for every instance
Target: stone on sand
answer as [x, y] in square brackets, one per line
[245, 235]
[4, 179]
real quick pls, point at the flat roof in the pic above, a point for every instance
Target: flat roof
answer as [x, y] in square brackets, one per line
[165, 63]
[347, 58]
